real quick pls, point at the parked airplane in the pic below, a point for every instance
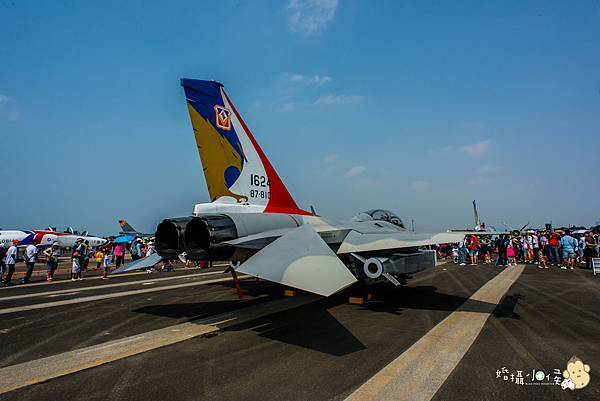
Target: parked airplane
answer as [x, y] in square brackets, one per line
[254, 222]
[46, 238]
[479, 227]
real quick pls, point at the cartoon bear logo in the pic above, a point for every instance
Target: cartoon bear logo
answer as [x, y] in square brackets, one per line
[577, 375]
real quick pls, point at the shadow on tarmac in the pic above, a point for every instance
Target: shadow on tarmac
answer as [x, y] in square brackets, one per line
[428, 298]
[313, 327]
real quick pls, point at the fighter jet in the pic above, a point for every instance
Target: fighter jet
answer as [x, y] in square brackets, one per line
[253, 221]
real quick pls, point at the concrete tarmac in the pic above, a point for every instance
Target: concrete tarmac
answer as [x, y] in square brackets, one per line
[305, 348]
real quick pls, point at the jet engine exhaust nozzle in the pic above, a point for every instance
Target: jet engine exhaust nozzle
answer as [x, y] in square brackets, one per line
[204, 236]
[169, 237]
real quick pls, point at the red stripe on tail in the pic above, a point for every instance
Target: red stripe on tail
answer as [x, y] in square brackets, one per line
[281, 201]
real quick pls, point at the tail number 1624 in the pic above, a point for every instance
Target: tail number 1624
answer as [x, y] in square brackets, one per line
[257, 180]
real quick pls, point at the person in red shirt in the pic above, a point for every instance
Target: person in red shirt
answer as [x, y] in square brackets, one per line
[553, 248]
[473, 249]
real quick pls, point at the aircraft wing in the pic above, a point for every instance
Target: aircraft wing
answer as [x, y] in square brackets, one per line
[300, 259]
[357, 242]
[139, 264]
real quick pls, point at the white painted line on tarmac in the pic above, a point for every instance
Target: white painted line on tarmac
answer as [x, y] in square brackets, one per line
[62, 294]
[67, 279]
[99, 287]
[419, 372]
[110, 296]
[40, 370]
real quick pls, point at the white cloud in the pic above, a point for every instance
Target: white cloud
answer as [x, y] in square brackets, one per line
[420, 185]
[4, 98]
[338, 99]
[288, 106]
[316, 80]
[331, 158]
[354, 171]
[310, 17]
[477, 149]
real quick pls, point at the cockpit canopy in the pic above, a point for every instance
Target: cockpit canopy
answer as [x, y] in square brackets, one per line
[380, 215]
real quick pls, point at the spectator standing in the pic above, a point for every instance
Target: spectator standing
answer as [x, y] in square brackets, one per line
[473, 249]
[2, 261]
[590, 249]
[133, 251]
[30, 255]
[568, 245]
[11, 261]
[543, 240]
[535, 244]
[137, 245]
[86, 255]
[527, 249]
[501, 245]
[149, 248]
[52, 255]
[75, 266]
[462, 253]
[511, 253]
[553, 243]
[581, 248]
[99, 256]
[486, 249]
[515, 242]
[119, 253]
[106, 265]
[542, 261]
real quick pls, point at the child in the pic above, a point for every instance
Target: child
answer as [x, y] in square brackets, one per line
[75, 267]
[542, 259]
[106, 265]
[99, 258]
[510, 254]
[455, 254]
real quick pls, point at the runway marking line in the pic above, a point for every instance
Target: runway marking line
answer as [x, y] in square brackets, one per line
[419, 372]
[91, 298]
[68, 269]
[99, 287]
[44, 369]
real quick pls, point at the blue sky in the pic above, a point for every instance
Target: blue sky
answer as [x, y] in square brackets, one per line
[418, 107]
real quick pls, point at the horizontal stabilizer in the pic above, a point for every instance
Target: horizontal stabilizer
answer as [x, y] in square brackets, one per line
[260, 240]
[300, 259]
[357, 242]
[139, 264]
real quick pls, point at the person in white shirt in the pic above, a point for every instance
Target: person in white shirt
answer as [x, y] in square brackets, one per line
[11, 261]
[30, 254]
[535, 244]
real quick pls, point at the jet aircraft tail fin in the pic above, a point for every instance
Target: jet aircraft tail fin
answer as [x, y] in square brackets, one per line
[126, 227]
[235, 167]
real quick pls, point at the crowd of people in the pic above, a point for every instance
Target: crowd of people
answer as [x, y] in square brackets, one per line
[80, 255]
[543, 248]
